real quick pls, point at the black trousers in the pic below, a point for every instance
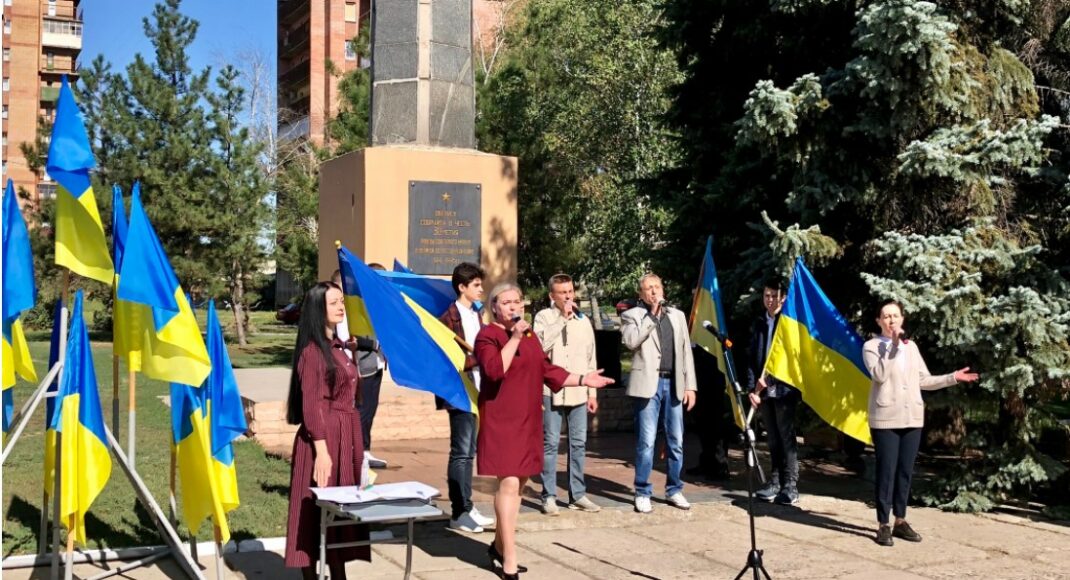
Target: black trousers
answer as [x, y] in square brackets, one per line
[778, 414]
[896, 451]
[369, 404]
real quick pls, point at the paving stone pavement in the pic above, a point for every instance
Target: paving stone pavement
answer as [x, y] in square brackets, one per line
[829, 535]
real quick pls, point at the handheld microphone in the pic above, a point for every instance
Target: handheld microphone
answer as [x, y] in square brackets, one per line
[575, 309]
[710, 328]
[516, 319]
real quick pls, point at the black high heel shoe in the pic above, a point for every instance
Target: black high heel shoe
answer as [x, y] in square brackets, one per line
[496, 560]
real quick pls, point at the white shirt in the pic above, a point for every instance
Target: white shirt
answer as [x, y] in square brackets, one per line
[341, 330]
[470, 323]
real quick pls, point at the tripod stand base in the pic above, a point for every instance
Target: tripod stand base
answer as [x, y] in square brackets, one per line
[754, 562]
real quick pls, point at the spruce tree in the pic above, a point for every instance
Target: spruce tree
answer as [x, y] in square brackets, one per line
[902, 140]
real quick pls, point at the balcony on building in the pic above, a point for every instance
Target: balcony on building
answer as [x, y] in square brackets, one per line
[61, 33]
[294, 41]
[290, 11]
[296, 129]
[296, 74]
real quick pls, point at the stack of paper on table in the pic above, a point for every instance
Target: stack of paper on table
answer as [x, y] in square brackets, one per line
[353, 494]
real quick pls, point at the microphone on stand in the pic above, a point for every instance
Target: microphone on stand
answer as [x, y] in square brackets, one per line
[723, 338]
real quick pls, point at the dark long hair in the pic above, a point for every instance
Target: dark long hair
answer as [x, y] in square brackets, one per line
[310, 329]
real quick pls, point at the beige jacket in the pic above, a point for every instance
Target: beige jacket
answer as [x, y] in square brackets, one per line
[899, 376]
[575, 356]
[640, 336]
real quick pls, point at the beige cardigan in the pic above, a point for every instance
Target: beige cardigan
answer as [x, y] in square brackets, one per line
[578, 356]
[898, 379]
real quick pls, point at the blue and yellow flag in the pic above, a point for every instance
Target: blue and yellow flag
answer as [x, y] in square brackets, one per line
[432, 294]
[399, 267]
[20, 294]
[226, 417]
[423, 352]
[193, 453]
[172, 348]
[127, 326]
[708, 306]
[80, 244]
[50, 402]
[818, 352]
[85, 463]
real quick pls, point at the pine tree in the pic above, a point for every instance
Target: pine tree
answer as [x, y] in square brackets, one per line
[238, 198]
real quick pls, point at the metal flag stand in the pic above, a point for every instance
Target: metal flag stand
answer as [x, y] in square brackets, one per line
[167, 531]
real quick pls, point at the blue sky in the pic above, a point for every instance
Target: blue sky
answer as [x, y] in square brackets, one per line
[227, 27]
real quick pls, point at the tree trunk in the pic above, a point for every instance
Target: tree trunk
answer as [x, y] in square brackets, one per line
[237, 306]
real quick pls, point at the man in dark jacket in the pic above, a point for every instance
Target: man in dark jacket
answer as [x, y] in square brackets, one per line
[776, 400]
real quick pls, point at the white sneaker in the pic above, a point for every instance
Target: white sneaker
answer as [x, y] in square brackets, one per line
[549, 506]
[373, 461]
[481, 519]
[642, 504]
[678, 500]
[465, 523]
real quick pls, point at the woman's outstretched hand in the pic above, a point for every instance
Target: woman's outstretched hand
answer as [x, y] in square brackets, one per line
[595, 379]
[964, 375]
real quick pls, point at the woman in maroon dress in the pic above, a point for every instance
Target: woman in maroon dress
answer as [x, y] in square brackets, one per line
[328, 449]
[514, 368]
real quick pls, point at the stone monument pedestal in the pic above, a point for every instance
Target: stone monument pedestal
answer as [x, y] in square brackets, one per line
[430, 208]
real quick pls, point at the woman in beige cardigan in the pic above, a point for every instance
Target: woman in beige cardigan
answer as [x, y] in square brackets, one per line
[896, 415]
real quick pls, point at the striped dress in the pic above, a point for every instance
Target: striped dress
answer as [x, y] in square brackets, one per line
[328, 413]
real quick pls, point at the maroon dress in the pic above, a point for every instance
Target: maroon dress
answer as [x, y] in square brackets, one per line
[510, 404]
[328, 413]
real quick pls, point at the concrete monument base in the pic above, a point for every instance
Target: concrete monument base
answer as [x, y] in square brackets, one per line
[372, 201]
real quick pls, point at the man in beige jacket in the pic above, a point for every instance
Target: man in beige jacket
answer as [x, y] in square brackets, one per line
[661, 384]
[568, 339]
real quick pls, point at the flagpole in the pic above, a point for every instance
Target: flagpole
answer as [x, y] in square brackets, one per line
[132, 417]
[218, 552]
[68, 572]
[57, 463]
[114, 385]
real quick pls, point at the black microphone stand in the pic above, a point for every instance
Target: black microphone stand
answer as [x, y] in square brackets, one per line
[754, 556]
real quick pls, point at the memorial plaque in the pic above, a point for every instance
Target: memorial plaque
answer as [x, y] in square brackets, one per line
[444, 225]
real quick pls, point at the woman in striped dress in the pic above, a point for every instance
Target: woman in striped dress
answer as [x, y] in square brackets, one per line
[328, 449]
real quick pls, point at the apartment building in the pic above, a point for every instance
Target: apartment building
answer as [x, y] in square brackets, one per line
[41, 42]
[311, 35]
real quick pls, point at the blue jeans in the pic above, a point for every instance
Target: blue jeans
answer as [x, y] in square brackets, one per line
[462, 458]
[663, 406]
[577, 447]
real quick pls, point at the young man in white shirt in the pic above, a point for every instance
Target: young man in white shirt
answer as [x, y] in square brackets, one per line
[464, 319]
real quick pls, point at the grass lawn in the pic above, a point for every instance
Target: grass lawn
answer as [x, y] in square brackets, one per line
[116, 519]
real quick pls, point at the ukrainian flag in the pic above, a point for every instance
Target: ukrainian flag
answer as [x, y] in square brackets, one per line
[399, 267]
[20, 294]
[432, 294]
[818, 352]
[85, 463]
[172, 348]
[708, 306]
[193, 453]
[423, 352]
[126, 326]
[80, 244]
[226, 417]
[50, 402]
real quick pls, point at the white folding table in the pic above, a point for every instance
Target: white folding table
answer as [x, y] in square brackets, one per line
[382, 508]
